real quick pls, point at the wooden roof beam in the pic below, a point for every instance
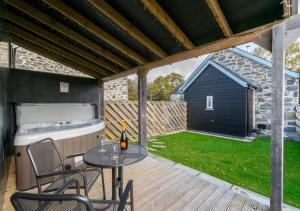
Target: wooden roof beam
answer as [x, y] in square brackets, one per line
[32, 47]
[57, 40]
[292, 28]
[66, 31]
[94, 29]
[290, 7]
[123, 23]
[165, 20]
[265, 41]
[219, 17]
[52, 47]
[234, 40]
[294, 7]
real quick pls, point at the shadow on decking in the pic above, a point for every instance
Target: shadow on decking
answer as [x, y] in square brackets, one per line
[159, 184]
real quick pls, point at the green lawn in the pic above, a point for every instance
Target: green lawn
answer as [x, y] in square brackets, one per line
[246, 164]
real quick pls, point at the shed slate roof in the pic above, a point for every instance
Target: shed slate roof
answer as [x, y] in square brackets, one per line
[232, 74]
[176, 90]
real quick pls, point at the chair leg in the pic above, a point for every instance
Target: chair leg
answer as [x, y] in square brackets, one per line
[86, 191]
[103, 184]
[131, 199]
[39, 186]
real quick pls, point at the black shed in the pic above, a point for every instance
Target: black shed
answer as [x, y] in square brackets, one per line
[219, 100]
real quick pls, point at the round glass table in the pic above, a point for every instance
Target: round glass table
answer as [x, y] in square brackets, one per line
[107, 158]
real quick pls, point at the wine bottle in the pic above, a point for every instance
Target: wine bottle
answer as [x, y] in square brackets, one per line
[123, 139]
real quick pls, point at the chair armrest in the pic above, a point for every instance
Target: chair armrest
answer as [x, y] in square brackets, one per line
[67, 185]
[63, 172]
[125, 195]
[74, 155]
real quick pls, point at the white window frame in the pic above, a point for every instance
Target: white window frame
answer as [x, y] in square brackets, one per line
[209, 103]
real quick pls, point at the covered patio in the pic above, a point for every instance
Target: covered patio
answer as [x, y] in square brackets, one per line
[112, 39]
[171, 186]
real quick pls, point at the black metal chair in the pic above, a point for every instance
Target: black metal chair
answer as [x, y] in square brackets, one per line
[69, 202]
[48, 165]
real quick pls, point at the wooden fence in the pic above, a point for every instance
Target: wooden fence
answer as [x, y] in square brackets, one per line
[163, 117]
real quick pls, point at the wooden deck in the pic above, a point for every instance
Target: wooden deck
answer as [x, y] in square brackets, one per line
[162, 186]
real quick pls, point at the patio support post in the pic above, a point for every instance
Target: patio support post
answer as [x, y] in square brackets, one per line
[277, 118]
[142, 107]
[101, 108]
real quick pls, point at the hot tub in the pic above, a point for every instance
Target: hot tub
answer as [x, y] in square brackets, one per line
[71, 136]
[29, 133]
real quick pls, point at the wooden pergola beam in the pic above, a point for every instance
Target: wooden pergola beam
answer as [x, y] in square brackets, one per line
[44, 52]
[219, 17]
[265, 41]
[66, 31]
[292, 28]
[57, 40]
[95, 29]
[234, 40]
[159, 13]
[52, 47]
[290, 7]
[277, 117]
[123, 23]
[282, 36]
[292, 22]
[294, 9]
[142, 107]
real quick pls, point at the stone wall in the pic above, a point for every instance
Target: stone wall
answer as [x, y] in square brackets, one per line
[298, 118]
[116, 89]
[3, 54]
[261, 75]
[28, 60]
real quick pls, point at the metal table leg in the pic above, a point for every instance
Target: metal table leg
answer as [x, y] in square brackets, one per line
[120, 181]
[114, 183]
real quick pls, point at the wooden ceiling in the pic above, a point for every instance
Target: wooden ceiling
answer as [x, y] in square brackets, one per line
[109, 39]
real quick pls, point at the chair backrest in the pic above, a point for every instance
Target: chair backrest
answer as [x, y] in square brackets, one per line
[44, 156]
[44, 202]
[55, 202]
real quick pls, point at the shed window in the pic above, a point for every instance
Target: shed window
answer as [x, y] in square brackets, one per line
[209, 102]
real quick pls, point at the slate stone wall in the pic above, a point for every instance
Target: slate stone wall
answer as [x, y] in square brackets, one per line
[261, 75]
[25, 59]
[3, 54]
[28, 60]
[116, 89]
[298, 118]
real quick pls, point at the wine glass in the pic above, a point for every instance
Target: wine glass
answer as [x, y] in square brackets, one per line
[101, 140]
[115, 151]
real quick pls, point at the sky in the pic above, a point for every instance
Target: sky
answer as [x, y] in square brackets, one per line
[185, 67]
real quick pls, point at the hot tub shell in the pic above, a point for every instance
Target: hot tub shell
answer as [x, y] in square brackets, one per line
[70, 136]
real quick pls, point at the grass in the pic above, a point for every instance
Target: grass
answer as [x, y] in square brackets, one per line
[246, 164]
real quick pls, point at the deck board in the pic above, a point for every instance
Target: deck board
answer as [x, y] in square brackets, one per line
[162, 186]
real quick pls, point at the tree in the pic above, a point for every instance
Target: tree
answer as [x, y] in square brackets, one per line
[162, 86]
[132, 89]
[159, 89]
[292, 55]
